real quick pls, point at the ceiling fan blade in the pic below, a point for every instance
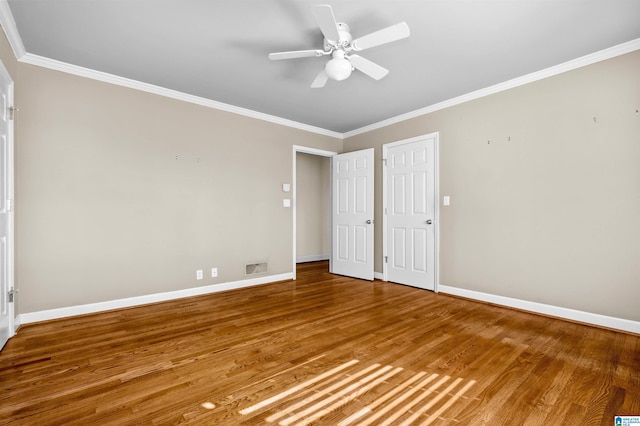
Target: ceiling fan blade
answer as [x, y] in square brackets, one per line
[385, 35]
[295, 54]
[320, 80]
[326, 21]
[371, 69]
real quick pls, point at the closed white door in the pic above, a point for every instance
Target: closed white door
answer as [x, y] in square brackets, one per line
[352, 214]
[410, 212]
[6, 193]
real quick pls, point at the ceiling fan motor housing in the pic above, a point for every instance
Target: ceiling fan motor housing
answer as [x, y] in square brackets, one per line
[345, 38]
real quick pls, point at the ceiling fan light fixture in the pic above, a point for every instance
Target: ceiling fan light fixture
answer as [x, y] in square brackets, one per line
[339, 68]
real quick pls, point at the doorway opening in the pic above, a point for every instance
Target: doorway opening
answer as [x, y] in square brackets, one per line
[320, 160]
[352, 208]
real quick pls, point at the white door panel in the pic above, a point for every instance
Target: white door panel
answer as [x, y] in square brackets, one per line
[342, 239]
[352, 214]
[399, 258]
[6, 222]
[410, 212]
[361, 240]
[420, 252]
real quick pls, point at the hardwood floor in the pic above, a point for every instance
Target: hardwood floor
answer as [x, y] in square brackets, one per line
[323, 349]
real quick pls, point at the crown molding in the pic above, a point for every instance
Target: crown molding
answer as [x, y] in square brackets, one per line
[9, 25]
[11, 30]
[592, 58]
[53, 64]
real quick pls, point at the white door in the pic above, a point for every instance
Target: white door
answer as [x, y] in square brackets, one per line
[6, 194]
[352, 214]
[410, 212]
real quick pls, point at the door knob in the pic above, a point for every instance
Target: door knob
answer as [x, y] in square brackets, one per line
[429, 222]
[369, 222]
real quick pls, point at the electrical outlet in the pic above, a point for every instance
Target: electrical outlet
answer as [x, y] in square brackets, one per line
[199, 274]
[214, 272]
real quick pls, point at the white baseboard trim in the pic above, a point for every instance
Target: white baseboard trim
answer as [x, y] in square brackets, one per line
[312, 258]
[90, 308]
[541, 308]
[378, 276]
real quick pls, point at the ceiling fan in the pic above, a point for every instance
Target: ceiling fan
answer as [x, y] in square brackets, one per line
[340, 45]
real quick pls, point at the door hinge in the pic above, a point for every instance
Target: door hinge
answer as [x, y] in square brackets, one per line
[11, 296]
[12, 112]
[384, 162]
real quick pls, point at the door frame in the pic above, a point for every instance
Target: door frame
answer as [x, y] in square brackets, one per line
[312, 151]
[10, 197]
[385, 242]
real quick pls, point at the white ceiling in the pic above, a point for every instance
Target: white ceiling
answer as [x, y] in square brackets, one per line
[218, 49]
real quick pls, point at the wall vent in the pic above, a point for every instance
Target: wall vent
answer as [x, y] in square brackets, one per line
[256, 268]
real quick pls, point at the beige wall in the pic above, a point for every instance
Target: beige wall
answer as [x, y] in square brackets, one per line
[549, 210]
[546, 212]
[313, 233]
[123, 193]
[8, 58]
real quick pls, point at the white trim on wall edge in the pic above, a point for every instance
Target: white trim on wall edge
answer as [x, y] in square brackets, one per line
[312, 258]
[11, 30]
[580, 62]
[541, 308]
[56, 65]
[91, 308]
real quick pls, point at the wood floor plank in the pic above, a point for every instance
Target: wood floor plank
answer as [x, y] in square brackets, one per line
[323, 349]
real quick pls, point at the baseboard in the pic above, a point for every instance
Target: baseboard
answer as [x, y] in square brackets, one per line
[541, 308]
[312, 258]
[90, 308]
[378, 276]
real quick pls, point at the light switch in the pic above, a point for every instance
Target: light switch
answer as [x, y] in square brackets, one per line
[286, 202]
[286, 187]
[446, 200]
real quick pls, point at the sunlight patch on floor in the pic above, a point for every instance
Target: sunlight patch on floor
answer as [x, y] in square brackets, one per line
[381, 395]
[296, 388]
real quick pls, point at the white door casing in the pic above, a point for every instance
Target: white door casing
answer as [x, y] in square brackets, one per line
[352, 214]
[306, 150]
[410, 225]
[6, 213]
